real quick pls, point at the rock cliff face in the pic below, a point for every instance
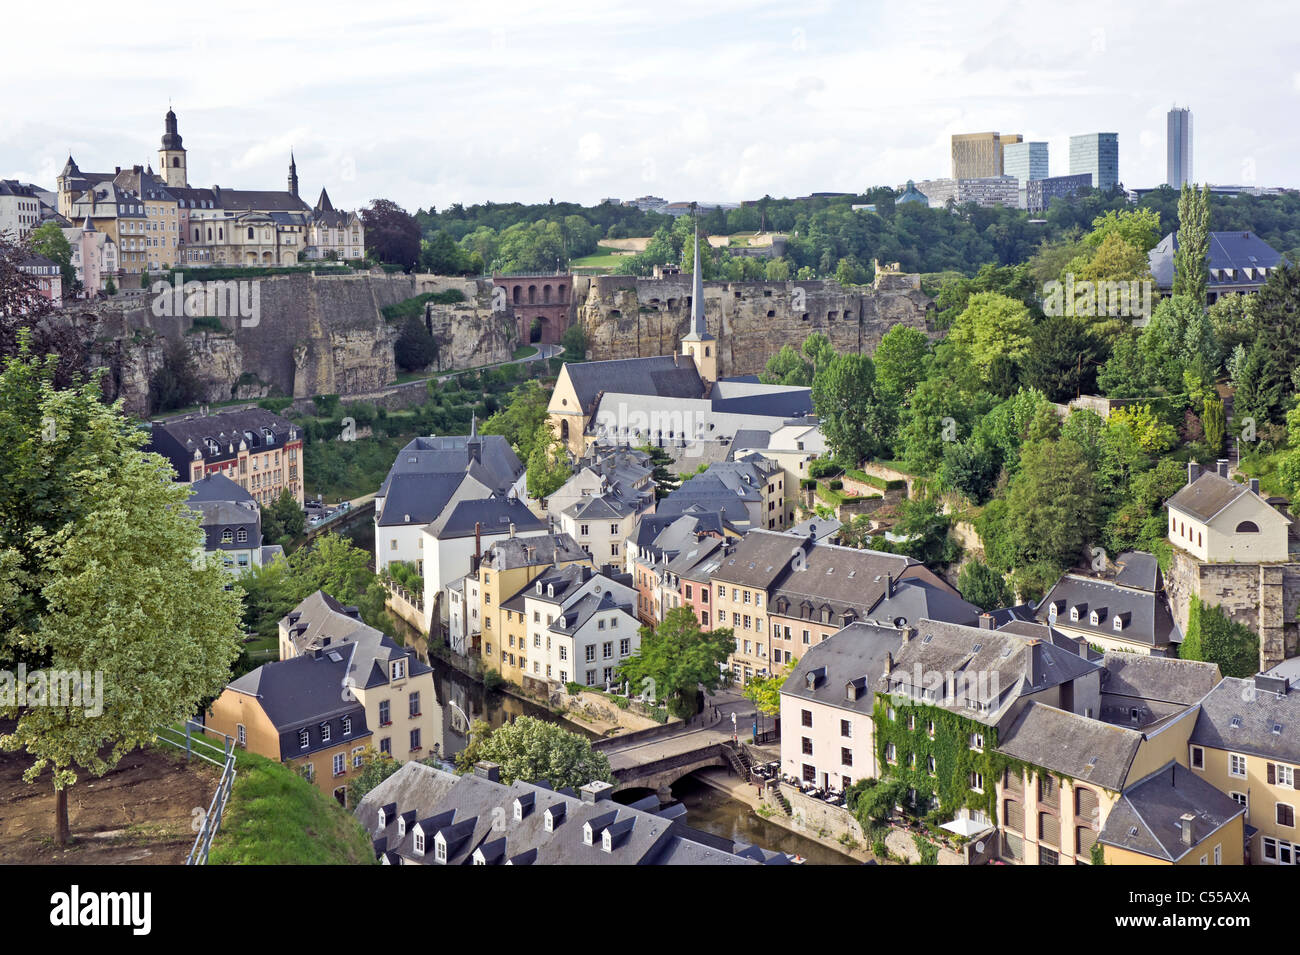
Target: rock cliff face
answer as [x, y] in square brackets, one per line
[628, 317]
[306, 335]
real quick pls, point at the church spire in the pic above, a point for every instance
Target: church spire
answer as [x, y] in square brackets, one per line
[293, 176]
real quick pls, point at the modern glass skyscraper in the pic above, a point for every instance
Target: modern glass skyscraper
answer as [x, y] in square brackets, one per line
[1096, 154]
[1179, 147]
[1025, 161]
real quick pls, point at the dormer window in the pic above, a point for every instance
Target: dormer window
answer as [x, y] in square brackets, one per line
[324, 732]
[1093, 619]
[227, 536]
[419, 842]
[304, 739]
[382, 820]
[1051, 612]
[347, 725]
[401, 827]
[440, 848]
[399, 669]
[1074, 614]
[1118, 622]
[586, 833]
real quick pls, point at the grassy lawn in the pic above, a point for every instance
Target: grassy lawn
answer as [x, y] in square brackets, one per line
[275, 817]
[525, 351]
[604, 258]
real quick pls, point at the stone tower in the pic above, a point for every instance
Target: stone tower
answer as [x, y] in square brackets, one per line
[698, 343]
[293, 177]
[171, 156]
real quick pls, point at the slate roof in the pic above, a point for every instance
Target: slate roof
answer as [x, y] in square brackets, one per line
[516, 552]
[1139, 570]
[218, 487]
[493, 515]
[1146, 819]
[1157, 679]
[302, 693]
[855, 653]
[1146, 617]
[1256, 712]
[480, 813]
[256, 200]
[670, 376]
[428, 471]
[178, 439]
[914, 600]
[1227, 250]
[320, 622]
[1085, 749]
[1002, 667]
[1206, 496]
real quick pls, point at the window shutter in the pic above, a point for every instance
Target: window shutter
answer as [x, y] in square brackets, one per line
[1087, 839]
[1013, 815]
[1272, 774]
[1049, 829]
[1015, 783]
[1295, 779]
[1087, 808]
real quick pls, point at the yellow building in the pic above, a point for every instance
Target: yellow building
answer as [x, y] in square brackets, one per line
[339, 687]
[507, 568]
[1245, 745]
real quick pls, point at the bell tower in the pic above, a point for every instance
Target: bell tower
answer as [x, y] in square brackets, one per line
[171, 156]
[698, 343]
[293, 177]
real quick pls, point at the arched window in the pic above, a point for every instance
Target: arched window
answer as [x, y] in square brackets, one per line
[250, 232]
[1247, 527]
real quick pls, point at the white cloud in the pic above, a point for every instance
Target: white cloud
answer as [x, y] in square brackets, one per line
[729, 100]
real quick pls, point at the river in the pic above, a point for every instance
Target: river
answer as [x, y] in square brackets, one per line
[464, 698]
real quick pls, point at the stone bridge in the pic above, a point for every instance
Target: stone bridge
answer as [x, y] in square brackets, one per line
[657, 758]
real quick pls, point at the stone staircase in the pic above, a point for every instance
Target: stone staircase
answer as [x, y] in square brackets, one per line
[738, 760]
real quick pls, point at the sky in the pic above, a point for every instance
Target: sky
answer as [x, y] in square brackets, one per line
[429, 104]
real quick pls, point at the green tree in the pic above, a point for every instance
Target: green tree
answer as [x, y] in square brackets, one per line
[665, 479]
[47, 239]
[1277, 310]
[817, 348]
[282, 519]
[676, 658]
[900, 361]
[574, 341]
[765, 691]
[853, 418]
[531, 750]
[521, 419]
[1216, 427]
[548, 464]
[992, 326]
[786, 367]
[1046, 517]
[1213, 637]
[1139, 227]
[375, 768]
[983, 586]
[415, 349]
[1063, 358]
[176, 382]
[98, 574]
[1191, 258]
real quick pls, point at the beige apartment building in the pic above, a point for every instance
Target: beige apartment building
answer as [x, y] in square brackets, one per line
[979, 155]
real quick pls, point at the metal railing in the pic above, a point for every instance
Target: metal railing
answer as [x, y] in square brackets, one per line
[195, 742]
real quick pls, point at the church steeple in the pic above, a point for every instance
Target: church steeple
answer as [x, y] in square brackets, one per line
[171, 155]
[293, 176]
[698, 343]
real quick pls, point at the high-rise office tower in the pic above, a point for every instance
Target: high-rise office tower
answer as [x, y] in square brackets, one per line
[979, 155]
[1025, 161]
[1096, 154]
[1179, 147]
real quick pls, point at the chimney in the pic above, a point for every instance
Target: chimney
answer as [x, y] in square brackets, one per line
[512, 528]
[1193, 471]
[986, 621]
[1222, 466]
[596, 791]
[908, 634]
[478, 543]
[1254, 485]
[1033, 665]
[889, 585]
[889, 664]
[486, 770]
[1185, 823]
